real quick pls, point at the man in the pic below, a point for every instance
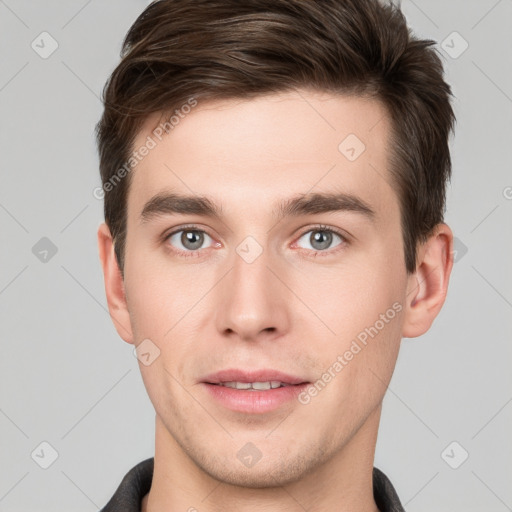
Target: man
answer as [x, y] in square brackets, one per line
[274, 176]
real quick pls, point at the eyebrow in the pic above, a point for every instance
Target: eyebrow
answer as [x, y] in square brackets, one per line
[305, 204]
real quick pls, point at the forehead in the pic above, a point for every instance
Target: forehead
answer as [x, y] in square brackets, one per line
[246, 153]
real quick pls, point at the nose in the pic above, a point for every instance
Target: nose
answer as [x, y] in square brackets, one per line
[251, 302]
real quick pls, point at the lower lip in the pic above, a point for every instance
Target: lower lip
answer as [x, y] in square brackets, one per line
[254, 402]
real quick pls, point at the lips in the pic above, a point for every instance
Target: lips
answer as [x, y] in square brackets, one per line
[252, 376]
[254, 392]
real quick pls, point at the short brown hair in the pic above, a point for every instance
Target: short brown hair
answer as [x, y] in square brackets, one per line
[222, 49]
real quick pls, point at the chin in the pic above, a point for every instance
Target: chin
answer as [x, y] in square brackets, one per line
[271, 471]
[253, 478]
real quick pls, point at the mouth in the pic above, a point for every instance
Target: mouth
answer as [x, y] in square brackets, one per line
[254, 386]
[254, 392]
[258, 380]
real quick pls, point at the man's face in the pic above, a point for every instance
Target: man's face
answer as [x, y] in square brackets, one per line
[253, 290]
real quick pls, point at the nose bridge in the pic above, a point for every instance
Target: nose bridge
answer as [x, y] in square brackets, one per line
[251, 300]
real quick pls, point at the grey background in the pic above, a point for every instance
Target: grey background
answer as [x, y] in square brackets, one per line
[68, 379]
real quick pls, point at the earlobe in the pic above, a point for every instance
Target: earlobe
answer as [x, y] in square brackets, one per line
[114, 285]
[428, 286]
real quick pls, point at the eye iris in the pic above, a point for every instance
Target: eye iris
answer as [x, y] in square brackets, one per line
[323, 238]
[192, 239]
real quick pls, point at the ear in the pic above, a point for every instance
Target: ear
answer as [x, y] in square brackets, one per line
[427, 287]
[114, 285]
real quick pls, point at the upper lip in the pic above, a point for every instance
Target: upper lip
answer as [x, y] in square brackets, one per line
[262, 375]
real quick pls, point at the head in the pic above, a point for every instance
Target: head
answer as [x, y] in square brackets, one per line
[259, 124]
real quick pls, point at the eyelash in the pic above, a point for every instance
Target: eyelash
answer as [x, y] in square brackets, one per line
[319, 227]
[325, 229]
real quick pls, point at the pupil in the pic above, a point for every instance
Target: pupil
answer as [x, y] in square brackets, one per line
[192, 239]
[322, 238]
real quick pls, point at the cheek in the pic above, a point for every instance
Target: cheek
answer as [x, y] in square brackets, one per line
[349, 298]
[158, 294]
[365, 312]
[362, 306]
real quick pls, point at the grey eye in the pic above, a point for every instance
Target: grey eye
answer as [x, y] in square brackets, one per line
[189, 239]
[319, 239]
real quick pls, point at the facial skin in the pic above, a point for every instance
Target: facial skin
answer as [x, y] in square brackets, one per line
[295, 308]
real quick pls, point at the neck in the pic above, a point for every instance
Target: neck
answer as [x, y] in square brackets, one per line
[342, 483]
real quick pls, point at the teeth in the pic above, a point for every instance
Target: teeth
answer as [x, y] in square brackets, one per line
[258, 386]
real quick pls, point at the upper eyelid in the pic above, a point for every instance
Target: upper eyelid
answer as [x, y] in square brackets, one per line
[191, 227]
[323, 227]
